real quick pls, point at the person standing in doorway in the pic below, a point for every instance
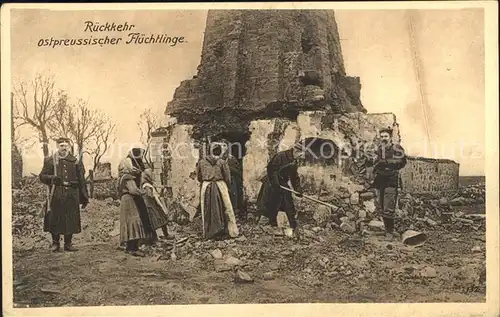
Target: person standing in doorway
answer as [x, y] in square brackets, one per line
[65, 176]
[216, 209]
[388, 160]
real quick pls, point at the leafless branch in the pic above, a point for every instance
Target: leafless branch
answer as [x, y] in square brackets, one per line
[149, 121]
[37, 113]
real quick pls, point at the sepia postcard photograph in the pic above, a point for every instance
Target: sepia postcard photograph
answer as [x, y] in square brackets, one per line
[180, 159]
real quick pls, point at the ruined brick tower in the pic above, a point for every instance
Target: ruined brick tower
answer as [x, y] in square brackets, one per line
[268, 79]
[258, 64]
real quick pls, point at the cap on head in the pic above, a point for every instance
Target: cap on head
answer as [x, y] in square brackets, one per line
[63, 140]
[387, 130]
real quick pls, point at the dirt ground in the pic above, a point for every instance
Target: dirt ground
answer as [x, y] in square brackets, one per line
[325, 265]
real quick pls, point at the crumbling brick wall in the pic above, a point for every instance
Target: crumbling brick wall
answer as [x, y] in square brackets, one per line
[426, 175]
[344, 131]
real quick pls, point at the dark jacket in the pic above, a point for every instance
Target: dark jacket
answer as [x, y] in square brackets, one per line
[283, 168]
[387, 165]
[64, 214]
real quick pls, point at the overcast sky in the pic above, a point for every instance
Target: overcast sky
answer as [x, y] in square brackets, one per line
[123, 80]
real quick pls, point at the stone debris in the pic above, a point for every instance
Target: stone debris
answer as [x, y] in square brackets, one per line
[322, 215]
[348, 227]
[50, 290]
[216, 254]
[376, 225]
[268, 276]
[428, 272]
[265, 255]
[476, 249]
[242, 277]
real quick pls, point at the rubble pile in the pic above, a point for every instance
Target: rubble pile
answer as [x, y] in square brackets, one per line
[357, 210]
[472, 194]
[29, 197]
[105, 189]
[100, 223]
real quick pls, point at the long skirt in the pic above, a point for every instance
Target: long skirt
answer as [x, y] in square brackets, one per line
[157, 217]
[134, 220]
[216, 210]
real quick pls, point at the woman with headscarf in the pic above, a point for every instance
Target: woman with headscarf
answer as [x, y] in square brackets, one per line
[156, 209]
[134, 220]
[216, 209]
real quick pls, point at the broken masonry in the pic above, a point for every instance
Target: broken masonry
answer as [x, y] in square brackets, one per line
[268, 79]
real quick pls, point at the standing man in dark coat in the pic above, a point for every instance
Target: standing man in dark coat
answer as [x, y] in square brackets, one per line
[389, 159]
[272, 198]
[236, 185]
[65, 176]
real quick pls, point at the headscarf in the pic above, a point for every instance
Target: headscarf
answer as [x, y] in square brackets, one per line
[136, 156]
[127, 171]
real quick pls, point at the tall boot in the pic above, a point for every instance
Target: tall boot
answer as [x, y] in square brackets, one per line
[68, 246]
[56, 242]
[389, 227]
[166, 235]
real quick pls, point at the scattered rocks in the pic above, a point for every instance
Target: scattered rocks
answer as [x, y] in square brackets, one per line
[241, 238]
[476, 249]
[316, 229]
[443, 201]
[50, 290]
[370, 206]
[428, 272]
[354, 199]
[322, 214]
[431, 222]
[216, 254]
[376, 225]
[242, 277]
[232, 261]
[348, 227]
[367, 196]
[274, 267]
[268, 276]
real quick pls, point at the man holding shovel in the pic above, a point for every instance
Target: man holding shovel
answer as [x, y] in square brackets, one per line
[272, 197]
[64, 175]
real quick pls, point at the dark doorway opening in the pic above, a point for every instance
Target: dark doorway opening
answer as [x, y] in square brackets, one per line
[320, 151]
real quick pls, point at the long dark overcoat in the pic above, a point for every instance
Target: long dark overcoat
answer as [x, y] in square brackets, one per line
[281, 169]
[63, 217]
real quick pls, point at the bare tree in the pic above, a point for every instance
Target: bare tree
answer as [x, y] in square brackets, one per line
[86, 124]
[90, 129]
[102, 142]
[149, 121]
[61, 123]
[38, 110]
